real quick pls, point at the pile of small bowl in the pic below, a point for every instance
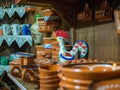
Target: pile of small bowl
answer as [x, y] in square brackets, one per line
[81, 76]
[49, 79]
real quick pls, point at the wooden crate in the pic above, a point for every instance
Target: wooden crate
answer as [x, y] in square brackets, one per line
[40, 51]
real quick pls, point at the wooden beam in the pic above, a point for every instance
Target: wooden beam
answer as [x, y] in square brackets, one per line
[68, 13]
[65, 9]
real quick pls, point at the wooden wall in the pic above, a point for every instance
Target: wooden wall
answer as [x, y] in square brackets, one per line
[103, 40]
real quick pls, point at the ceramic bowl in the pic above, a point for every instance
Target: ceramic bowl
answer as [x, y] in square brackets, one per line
[48, 77]
[48, 87]
[67, 86]
[91, 71]
[74, 81]
[50, 82]
[48, 70]
[112, 84]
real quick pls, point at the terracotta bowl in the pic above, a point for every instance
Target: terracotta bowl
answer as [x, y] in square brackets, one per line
[48, 77]
[67, 86]
[91, 71]
[50, 82]
[48, 70]
[49, 87]
[74, 81]
[112, 84]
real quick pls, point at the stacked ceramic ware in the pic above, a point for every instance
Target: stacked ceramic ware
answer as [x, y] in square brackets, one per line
[49, 79]
[82, 76]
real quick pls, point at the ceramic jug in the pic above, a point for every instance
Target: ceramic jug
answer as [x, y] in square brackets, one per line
[35, 31]
[15, 29]
[6, 29]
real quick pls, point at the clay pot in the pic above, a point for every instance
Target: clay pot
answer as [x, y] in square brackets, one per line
[91, 71]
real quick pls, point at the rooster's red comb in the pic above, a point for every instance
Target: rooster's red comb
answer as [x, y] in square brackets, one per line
[61, 33]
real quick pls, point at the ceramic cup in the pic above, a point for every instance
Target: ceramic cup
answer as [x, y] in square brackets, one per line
[15, 29]
[6, 29]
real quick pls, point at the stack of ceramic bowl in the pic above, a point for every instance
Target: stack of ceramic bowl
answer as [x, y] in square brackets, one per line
[49, 79]
[80, 77]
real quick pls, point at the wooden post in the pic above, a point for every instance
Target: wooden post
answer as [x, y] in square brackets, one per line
[72, 35]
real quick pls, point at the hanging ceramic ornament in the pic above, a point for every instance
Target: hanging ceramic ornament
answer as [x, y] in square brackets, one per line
[2, 13]
[20, 11]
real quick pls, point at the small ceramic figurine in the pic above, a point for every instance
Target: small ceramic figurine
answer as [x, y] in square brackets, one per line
[65, 55]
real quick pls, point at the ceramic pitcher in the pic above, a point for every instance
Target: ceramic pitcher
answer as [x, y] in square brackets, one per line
[6, 29]
[15, 29]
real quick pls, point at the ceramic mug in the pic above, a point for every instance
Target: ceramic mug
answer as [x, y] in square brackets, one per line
[1, 31]
[15, 29]
[6, 29]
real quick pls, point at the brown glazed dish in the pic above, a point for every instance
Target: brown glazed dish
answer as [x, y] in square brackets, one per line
[48, 70]
[91, 71]
[111, 84]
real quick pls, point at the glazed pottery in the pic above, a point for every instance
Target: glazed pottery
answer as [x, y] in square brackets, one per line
[35, 31]
[67, 86]
[50, 81]
[1, 31]
[6, 29]
[74, 81]
[4, 60]
[49, 87]
[48, 77]
[111, 84]
[91, 71]
[15, 29]
[25, 29]
[48, 70]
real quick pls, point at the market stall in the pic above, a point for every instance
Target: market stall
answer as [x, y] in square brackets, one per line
[76, 46]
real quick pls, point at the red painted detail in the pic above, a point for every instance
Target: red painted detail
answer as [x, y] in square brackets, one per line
[76, 46]
[73, 50]
[80, 43]
[84, 47]
[67, 54]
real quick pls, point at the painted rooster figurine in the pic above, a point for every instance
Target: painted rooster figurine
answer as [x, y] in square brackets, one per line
[65, 55]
